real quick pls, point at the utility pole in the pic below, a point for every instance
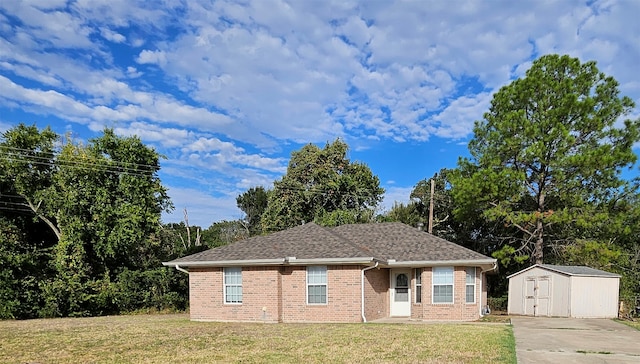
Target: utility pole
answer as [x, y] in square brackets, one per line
[431, 208]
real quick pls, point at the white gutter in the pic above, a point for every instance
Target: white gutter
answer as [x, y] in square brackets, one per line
[225, 263]
[180, 269]
[263, 262]
[364, 319]
[482, 271]
[329, 261]
[442, 263]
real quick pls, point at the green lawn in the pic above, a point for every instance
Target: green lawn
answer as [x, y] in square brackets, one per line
[635, 324]
[175, 339]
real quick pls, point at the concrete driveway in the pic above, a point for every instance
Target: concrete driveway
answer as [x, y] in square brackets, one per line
[565, 340]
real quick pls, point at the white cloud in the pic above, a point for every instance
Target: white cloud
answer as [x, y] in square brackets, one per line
[152, 57]
[150, 133]
[40, 76]
[395, 195]
[279, 67]
[227, 154]
[132, 72]
[4, 126]
[112, 36]
[224, 88]
[457, 119]
[50, 26]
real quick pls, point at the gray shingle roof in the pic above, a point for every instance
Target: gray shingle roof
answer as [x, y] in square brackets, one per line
[382, 242]
[395, 240]
[579, 270]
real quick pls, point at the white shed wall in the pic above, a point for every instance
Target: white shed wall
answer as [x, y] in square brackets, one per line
[557, 303]
[594, 297]
[515, 296]
[568, 296]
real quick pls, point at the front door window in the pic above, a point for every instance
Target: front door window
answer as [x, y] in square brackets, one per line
[402, 288]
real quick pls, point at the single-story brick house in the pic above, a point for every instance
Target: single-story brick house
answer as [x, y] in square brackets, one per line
[349, 273]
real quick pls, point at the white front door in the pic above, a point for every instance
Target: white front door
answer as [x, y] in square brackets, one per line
[400, 293]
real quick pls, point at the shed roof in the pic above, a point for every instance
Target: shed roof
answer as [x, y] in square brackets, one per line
[386, 243]
[571, 270]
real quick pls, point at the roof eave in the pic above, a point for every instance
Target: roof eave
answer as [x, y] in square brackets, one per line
[225, 263]
[270, 262]
[489, 264]
[330, 261]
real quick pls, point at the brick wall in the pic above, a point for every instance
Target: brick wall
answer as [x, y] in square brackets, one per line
[459, 310]
[343, 296]
[278, 294]
[376, 293]
[259, 295]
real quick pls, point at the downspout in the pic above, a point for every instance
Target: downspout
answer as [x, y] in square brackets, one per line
[495, 265]
[180, 269]
[364, 319]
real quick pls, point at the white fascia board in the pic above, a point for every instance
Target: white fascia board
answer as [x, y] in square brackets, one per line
[226, 263]
[442, 263]
[264, 262]
[330, 261]
[524, 270]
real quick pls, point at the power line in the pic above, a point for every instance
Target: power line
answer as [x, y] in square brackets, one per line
[12, 209]
[21, 152]
[86, 166]
[111, 163]
[29, 150]
[10, 196]
[13, 203]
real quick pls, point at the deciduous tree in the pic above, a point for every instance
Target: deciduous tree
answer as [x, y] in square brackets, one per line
[319, 182]
[253, 203]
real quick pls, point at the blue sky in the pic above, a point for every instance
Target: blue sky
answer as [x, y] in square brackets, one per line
[227, 89]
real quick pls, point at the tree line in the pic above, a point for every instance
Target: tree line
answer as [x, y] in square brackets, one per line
[80, 229]
[544, 183]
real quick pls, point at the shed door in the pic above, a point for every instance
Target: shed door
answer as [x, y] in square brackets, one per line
[536, 296]
[542, 296]
[530, 296]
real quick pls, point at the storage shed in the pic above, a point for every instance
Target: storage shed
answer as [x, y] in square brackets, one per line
[563, 291]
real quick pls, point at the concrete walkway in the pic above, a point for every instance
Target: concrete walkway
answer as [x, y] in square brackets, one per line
[565, 340]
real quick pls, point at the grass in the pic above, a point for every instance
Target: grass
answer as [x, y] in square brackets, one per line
[496, 317]
[635, 324]
[593, 352]
[173, 338]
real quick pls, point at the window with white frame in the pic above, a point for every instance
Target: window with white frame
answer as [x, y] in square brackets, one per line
[317, 285]
[418, 280]
[233, 285]
[443, 285]
[470, 290]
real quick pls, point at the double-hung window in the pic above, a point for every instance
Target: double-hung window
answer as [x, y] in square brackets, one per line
[443, 285]
[418, 280]
[470, 285]
[316, 284]
[233, 285]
